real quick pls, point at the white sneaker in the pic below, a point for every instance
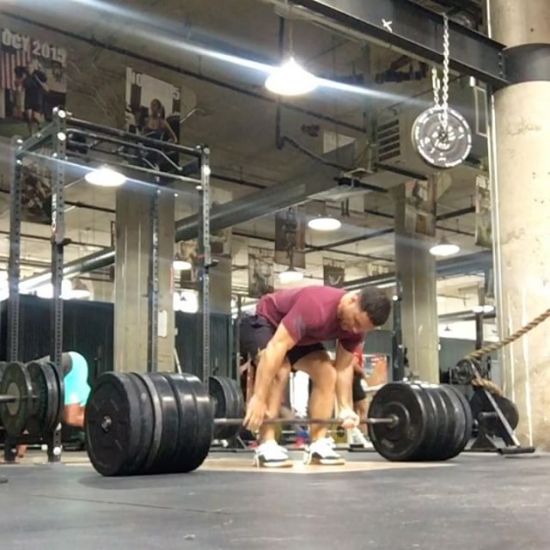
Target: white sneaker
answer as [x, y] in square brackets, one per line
[271, 455]
[322, 452]
[358, 438]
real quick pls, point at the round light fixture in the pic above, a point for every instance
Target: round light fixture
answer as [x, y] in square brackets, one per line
[483, 309]
[182, 265]
[290, 276]
[324, 223]
[444, 248]
[291, 79]
[105, 177]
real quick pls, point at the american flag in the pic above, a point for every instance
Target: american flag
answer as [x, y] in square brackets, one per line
[9, 59]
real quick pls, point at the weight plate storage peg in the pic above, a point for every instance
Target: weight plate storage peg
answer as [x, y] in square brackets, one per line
[16, 383]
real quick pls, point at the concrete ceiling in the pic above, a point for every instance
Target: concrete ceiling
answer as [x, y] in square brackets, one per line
[237, 117]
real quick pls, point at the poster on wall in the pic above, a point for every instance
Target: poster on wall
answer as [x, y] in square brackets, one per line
[290, 236]
[32, 82]
[260, 272]
[334, 272]
[153, 107]
[484, 235]
[420, 207]
[187, 251]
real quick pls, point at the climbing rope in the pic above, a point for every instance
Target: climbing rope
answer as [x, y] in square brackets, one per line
[479, 353]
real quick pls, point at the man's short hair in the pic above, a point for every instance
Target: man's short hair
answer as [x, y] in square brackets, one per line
[375, 303]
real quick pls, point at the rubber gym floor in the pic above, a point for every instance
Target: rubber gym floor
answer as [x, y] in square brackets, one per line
[477, 501]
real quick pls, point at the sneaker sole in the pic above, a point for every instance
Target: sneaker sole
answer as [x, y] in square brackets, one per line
[274, 464]
[319, 461]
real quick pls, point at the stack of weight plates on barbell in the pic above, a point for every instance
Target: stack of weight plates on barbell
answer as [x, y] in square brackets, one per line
[153, 423]
[38, 390]
[228, 402]
[434, 422]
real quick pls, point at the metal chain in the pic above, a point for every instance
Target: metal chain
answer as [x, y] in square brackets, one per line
[442, 84]
[446, 55]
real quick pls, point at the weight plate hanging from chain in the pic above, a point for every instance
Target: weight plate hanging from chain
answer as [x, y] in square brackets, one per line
[439, 144]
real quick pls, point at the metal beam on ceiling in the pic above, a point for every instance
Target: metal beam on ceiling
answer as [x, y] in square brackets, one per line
[247, 208]
[261, 203]
[414, 30]
[478, 262]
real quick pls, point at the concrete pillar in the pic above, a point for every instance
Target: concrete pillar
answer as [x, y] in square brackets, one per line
[521, 215]
[133, 241]
[415, 268]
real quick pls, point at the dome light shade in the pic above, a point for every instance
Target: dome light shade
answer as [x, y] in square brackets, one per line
[324, 223]
[291, 79]
[182, 265]
[105, 177]
[290, 276]
[444, 248]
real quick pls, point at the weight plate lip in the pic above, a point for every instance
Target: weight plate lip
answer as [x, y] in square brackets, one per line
[157, 422]
[203, 440]
[446, 421]
[110, 452]
[455, 120]
[459, 421]
[189, 423]
[469, 418]
[401, 442]
[166, 455]
[41, 388]
[15, 415]
[60, 395]
[226, 405]
[146, 425]
[424, 452]
[53, 401]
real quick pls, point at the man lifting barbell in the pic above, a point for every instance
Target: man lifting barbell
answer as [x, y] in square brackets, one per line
[287, 332]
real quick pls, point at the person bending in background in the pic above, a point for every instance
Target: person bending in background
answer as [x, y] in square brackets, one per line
[287, 332]
[77, 391]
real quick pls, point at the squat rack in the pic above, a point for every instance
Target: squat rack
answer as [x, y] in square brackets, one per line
[75, 144]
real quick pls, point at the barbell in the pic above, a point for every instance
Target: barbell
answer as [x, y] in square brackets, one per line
[31, 397]
[139, 424]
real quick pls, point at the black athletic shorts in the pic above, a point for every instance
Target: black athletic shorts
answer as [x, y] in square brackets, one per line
[256, 332]
[358, 392]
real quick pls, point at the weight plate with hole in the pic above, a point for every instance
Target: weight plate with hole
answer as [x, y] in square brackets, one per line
[112, 433]
[16, 382]
[440, 146]
[399, 442]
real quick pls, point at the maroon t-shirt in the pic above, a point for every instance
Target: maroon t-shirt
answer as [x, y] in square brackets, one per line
[309, 314]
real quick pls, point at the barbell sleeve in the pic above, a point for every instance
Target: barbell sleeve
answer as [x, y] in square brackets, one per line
[391, 420]
[7, 399]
